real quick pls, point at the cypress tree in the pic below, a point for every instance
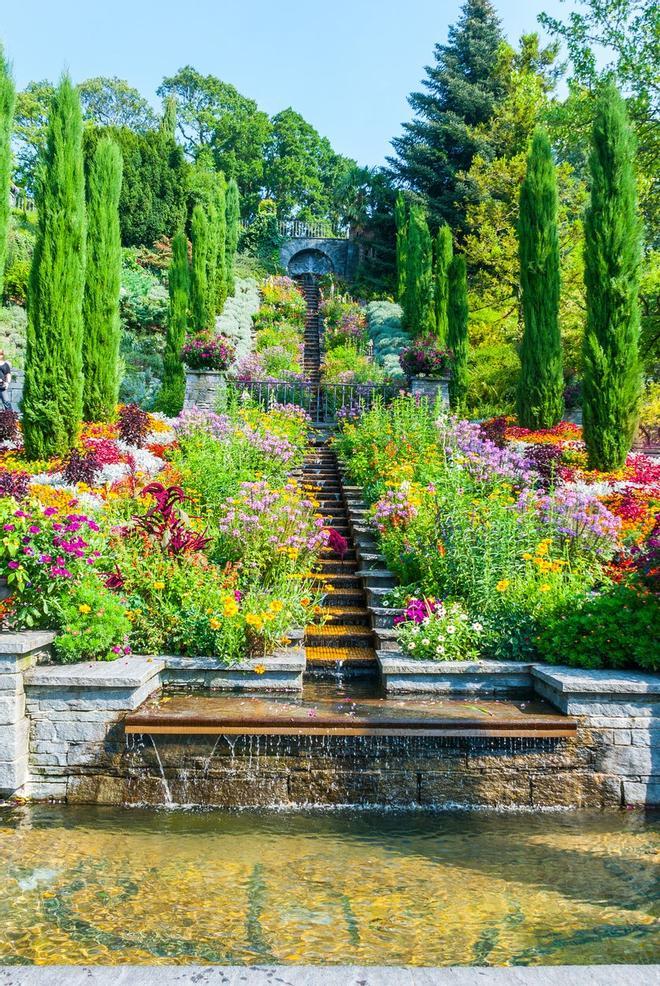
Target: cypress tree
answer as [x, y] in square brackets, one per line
[7, 104]
[102, 284]
[401, 221]
[612, 374]
[168, 120]
[212, 259]
[173, 390]
[221, 267]
[419, 307]
[199, 289]
[457, 330]
[541, 385]
[443, 253]
[53, 392]
[233, 213]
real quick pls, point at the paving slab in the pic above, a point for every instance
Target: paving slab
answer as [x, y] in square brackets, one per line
[621, 975]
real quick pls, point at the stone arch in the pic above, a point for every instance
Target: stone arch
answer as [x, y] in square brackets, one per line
[310, 260]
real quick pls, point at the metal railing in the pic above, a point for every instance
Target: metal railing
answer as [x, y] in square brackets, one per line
[324, 402]
[296, 229]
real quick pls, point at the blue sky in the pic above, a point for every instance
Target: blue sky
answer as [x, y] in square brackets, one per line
[347, 66]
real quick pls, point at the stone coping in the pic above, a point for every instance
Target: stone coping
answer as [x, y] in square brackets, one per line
[126, 975]
[126, 672]
[582, 681]
[291, 659]
[565, 680]
[23, 643]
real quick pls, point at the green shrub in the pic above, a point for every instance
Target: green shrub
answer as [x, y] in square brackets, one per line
[345, 364]
[141, 368]
[617, 628]
[92, 621]
[143, 301]
[13, 328]
[493, 372]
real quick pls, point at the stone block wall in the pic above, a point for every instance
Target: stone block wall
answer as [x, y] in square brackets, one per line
[203, 389]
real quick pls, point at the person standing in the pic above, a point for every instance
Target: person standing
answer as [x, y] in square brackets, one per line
[5, 380]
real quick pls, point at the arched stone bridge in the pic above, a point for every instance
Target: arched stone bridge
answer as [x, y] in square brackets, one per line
[319, 255]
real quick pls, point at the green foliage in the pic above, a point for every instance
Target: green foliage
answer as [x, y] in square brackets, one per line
[154, 185]
[457, 331]
[301, 170]
[91, 621]
[612, 377]
[418, 299]
[617, 628]
[200, 307]
[13, 329]
[143, 299]
[444, 250]
[493, 372]
[233, 214]
[220, 281]
[461, 91]
[401, 220]
[386, 331]
[7, 104]
[262, 239]
[141, 358]
[346, 364]
[168, 119]
[102, 285]
[541, 384]
[173, 391]
[52, 398]
[213, 114]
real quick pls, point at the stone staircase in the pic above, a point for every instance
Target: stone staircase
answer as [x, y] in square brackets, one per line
[343, 640]
[312, 345]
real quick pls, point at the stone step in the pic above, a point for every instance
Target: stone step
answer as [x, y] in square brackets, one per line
[345, 655]
[339, 581]
[339, 635]
[346, 615]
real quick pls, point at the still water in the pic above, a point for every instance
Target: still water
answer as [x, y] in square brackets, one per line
[109, 886]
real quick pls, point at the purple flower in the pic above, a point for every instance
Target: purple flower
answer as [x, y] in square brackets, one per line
[13, 565]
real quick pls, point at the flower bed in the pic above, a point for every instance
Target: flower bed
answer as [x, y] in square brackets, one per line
[279, 330]
[206, 352]
[546, 559]
[176, 536]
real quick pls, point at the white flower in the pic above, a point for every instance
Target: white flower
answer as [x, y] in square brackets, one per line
[477, 627]
[426, 642]
[440, 650]
[451, 629]
[412, 645]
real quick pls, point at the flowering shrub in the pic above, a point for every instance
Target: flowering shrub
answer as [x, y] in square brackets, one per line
[93, 624]
[424, 359]
[14, 483]
[344, 322]
[509, 523]
[208, 353]
[439, 631]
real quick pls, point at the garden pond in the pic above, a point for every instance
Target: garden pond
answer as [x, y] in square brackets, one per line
[113, 886]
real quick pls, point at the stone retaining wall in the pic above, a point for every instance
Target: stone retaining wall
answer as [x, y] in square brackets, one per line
[61, 737]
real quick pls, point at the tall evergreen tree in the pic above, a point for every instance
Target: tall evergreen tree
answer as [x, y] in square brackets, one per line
[419, 306]
[102, 284]
[53, 391]
[199, 288]
[612, 375]
[7, 105]
[168, 120]
[541, 384]
[233, 213]
[173, 390]
[221, 266]
[461, 90]
[443, 253]
[457, 331]
[401, 221]
[212, 254]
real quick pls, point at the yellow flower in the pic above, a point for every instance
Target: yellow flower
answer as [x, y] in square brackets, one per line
[503, 585]
[527, 556]
[84, 608]
[215, 623]
[230, 607]
[305, 601]
[259, 669]
[276, 606]
[159, 585]
[254, 620]
[545, 587]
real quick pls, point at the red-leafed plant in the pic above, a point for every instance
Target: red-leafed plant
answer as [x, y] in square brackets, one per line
[133, 425]
[166, 524]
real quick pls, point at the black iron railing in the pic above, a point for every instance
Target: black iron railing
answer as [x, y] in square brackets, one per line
[324, 402]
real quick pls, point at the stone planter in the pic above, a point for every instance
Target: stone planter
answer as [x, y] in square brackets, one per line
[203, 388]
[430, 388]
